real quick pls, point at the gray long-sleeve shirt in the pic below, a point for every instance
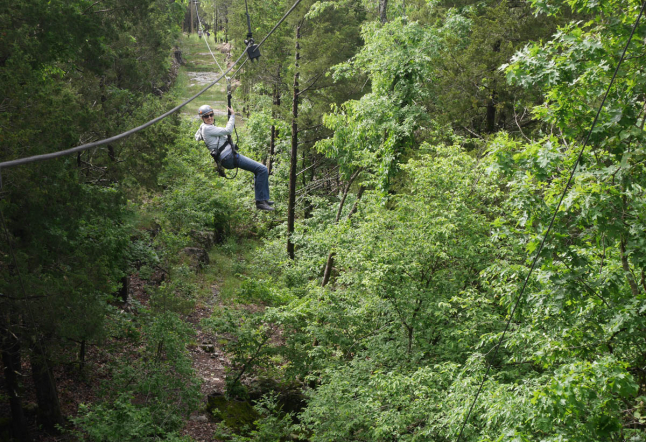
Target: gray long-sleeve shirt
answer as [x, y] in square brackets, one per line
[215, 136]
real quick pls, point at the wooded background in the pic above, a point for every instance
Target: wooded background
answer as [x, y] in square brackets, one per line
[417, 151]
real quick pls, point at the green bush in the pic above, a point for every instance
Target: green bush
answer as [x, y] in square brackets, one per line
[121, 421]
[152, 389]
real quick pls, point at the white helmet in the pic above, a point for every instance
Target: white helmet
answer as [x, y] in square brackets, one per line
[204, 109]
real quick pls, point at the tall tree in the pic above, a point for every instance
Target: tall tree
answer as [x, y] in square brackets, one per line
[383, 11]
[75, 60]
[291, 208]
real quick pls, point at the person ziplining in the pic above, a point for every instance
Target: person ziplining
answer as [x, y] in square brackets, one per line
[224, 152]
[253, 52]
[218, 139]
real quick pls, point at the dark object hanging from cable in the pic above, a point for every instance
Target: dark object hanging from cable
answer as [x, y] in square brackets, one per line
[253, 51]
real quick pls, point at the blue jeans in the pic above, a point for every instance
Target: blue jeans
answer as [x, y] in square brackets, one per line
[260, 171]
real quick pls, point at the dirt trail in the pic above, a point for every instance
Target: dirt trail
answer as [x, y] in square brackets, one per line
[210, 364]
[199, 70]
[209, 361]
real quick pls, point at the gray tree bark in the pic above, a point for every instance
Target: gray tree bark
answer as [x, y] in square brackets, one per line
[291, 209]
[10, 349]
[49, 407]
[383, 7]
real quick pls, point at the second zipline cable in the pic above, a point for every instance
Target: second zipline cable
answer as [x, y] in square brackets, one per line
[87, 146]
[547, 233]
[199, 22]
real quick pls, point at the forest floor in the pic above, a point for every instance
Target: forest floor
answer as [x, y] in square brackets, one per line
[209, 362]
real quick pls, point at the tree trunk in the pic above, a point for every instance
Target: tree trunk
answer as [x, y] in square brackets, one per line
[383, 7]
[190, 7]
[124, 288]
[274, 130]
[215, 21]
[329, 263]
[272, 147]
[10, 349]
[48, 405]
[294, 154]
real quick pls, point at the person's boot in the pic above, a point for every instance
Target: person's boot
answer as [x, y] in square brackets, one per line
[271, 203]
[263, 205]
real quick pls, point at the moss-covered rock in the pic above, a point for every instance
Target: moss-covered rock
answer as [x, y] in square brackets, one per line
[239, 416]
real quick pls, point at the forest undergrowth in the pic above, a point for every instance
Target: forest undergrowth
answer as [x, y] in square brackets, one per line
[418, 151]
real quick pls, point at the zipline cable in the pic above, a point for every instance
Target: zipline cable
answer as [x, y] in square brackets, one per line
[83, 147]
[540, 248]
[206, 40]
[267, 36]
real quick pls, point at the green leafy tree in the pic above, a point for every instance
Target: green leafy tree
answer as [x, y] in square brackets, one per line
[70, 72]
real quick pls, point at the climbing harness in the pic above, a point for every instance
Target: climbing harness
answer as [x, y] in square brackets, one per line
[83, 147]
[253, 50]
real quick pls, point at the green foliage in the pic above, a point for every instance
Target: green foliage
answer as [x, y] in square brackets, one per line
[273, 425]
[258, 291]
[178, 295]
[370, 133]
[151, 392]
[456, 172]
[235, 415]
[586, 400]
[121, 421]
[248, 344]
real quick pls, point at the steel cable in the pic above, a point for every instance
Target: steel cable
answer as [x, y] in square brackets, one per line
[267, 36]
[540, 248]
[206, 40]
[84, 147]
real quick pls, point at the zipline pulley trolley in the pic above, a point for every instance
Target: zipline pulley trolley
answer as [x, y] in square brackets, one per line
[253, 51]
